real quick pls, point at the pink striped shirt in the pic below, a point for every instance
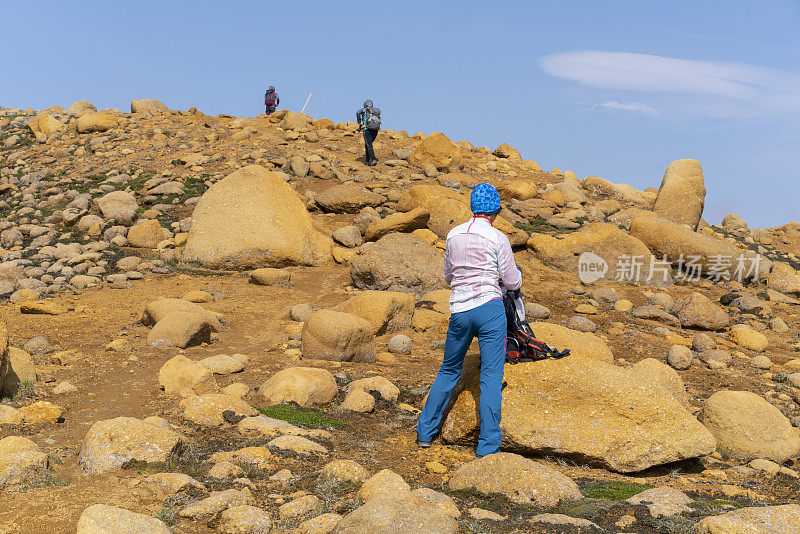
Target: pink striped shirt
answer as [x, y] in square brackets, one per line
[475, 256]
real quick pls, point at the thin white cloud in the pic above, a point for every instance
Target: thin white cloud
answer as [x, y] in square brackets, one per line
[748, 86]
[627, 106]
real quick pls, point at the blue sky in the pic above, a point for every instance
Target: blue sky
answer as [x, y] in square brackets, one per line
[614, 88]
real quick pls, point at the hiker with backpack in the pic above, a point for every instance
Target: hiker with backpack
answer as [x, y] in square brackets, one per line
[477, 257]
[271, 100]
[369, 120]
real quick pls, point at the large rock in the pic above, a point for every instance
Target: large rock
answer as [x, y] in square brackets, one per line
[20, 369]
[180, 329]
[119, 207]
[618, 249]
[662, 374]
[209, 409]
[81, 106]
[783, 519]
[338, 336]
[682, 194]
[601, 186]
[303, 385]
[20, 460]
[698, 311]
[147, 234]
[748, 338]
[112, 442]
[397, 222]
[399, 262]
[580, 344]
[784, 278]
[438, 150]
[394, 516]
[158, 309]
[252, 218]
[103, 519]
[522, 480]
[386, 311]
[347, 198]
[148, 106]
[734, 221]
[586, 409]
[46, 124]
[507, 151]
[245, 519]
[518, 189]
[746, 426]
[663, 501]
[295, 121]
[96, 122]
[680, 245]
[181, 376]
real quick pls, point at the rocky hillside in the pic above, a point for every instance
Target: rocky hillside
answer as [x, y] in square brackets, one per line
[229, 324]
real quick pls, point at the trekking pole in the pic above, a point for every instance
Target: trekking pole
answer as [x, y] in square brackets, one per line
[304, 105]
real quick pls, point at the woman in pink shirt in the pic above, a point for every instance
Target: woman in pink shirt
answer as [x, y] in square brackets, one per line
[477, 256]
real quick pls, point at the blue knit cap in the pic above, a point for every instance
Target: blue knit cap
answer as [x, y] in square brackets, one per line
[484, 199]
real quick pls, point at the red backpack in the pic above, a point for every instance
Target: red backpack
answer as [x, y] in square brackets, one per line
[521, 343]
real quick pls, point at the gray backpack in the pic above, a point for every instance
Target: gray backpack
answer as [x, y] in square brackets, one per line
[372, 118]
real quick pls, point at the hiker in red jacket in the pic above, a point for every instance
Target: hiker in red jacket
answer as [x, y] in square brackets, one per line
[271, 100]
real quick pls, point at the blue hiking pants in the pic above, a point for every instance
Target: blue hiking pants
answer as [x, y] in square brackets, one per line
[488, 322]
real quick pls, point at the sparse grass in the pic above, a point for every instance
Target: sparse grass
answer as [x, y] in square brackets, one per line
[615, 490]
[188, 465]
[472, 526]
[437, 344]
[169, 511]
[45, 479]
[584, 508]
[251, 471]
[307, 417]
[286, 524]
[716, 505]
[537, 224]
[25, 391]
[330, 491]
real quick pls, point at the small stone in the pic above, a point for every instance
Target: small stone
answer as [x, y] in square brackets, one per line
[306, 505]
[623, 305]
[245, 519]
[778, 325]
[680, 357]
[581, 324]
[298, 445]
[761, 362]
[436, 467]
[225, 470]
[358, 400]
[300, 312]
[586, 309]
[349, 236]
[400, 344]
[217, 502]
[702, 342]
[480, 513]
[536, 311]
[284, 475]
[42, 412]
[38, 346]
[749, 339]
[100, 519]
